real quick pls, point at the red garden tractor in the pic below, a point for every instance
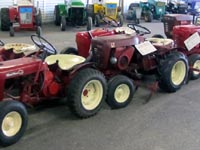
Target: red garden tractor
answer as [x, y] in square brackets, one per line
[182, 29]
[187, 39]
[24, 16]
[10, 51]
[125, 57]
[46, 76]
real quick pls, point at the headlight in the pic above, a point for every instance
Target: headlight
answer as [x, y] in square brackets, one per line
[198, 9]
[160, 10]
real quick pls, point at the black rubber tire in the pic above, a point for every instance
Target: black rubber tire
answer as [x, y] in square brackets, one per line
[97, 20]
[12, 31]
[39, 31]
[38, 18]
[63, 23]
[75, 89]
[5, 20]
[148, 17]
[89, 23]
[57, 17]
[158, 36]
[137, 21]
[192, 60]
[165, 70]
[69, 50]
[120, 20]
[112, 86]
[5, 108]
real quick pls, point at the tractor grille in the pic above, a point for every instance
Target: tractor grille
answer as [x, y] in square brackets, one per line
[111, 9]
[77, 16]
[26, 15]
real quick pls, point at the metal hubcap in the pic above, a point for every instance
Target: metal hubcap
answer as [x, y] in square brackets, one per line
[196, 66]
[178, 73]
[92, 94]
[11, 124]
[122, 93]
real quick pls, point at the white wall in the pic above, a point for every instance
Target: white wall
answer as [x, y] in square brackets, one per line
[6, 3]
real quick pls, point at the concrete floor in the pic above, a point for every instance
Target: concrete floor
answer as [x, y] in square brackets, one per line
[167, 122]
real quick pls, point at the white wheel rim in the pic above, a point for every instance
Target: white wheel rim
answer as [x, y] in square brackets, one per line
[11, 124]
[196, 66]
[122, 93]
[178, 72]
[92, 94]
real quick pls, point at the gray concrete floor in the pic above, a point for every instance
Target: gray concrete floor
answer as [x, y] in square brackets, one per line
[167, 122]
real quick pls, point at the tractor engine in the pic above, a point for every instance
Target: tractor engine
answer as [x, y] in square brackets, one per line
[83, 40]
[182, 32]
[113, 53]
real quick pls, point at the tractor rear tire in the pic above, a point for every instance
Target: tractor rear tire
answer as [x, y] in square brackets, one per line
[13, 122]
[120, 20]
[63, 23]
[5, 20]
[89, 23]
[97, 20]
[57, 17]
[173, 72]
[194, 61]
[86, 92]
[69, 50]
[120, 91]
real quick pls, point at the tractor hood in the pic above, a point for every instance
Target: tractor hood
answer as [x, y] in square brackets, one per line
[76, 3]
[18, 67]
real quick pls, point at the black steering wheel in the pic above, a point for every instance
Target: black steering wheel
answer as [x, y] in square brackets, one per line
[1, 43]
[43, 44]
[141, 30]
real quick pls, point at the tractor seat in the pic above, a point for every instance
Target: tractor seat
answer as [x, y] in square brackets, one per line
[65, 61]
[160, 41]
[21, 48]
[126, 30]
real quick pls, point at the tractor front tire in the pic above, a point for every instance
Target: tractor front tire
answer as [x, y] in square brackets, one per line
[13, 122]
[194, 62]
[69, 50]
[5, 20]
[12, 31]
[57, 17]
[120, 20]
[97, 20]
[89, 23]
[173, 72]
[120, 91]
[148, 17]
[38, 18]
[86, 92]
[39, 31]
[63, 23]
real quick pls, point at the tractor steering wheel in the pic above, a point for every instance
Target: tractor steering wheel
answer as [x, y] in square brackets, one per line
[44, 45]
[1, 43]
[141, 30]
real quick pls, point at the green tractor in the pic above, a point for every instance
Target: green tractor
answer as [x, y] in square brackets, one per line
[152, 9]
[71, 12]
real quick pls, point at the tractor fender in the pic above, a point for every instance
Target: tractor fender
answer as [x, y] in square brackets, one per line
[80, 67]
